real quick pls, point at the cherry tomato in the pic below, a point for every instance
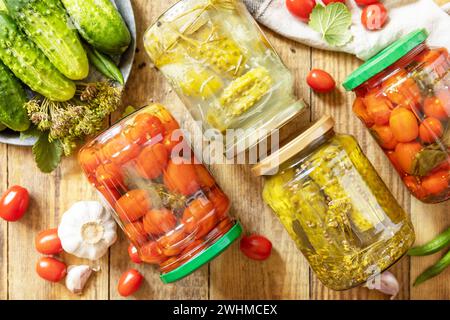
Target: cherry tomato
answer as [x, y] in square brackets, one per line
[256, 247]
[158, 221]
[136, 232]
[174, 242]
[406, 153]
[320, 81]
[378, 107]
[134, 254]
[431, 130]
[109, 175]
[402, 90]
[129, 282]
[433, 107]
[89, 159]
[384, 136]
[374, 16]
[415, 187]
[145, 128]
[133, 205]
[172, 139]
[436, 60]
[366, 2]
[51, 269]
[110, 195]
[204, 178]
[151, 253]
[14, 203]
[404, 125]
[327, 2]
[301, 8]
[436, 183]
[48, 242]
[181, 177]
[220, 201]
[393, 158]
[120, 150]
[359, 108]
[152, 161]
[200, 215]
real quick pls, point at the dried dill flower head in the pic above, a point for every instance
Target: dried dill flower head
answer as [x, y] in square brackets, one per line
[84, 115]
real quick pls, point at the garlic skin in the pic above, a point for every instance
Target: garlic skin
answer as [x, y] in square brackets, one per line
[77, 277]
[87, 230]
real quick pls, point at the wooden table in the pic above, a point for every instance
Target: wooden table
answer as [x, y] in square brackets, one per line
[285, 275]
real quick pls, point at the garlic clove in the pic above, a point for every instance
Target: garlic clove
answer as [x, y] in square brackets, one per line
[385, 283]
[77, 277]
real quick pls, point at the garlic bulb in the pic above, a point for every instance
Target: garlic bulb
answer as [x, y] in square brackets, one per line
[87, 230]
[76, 278]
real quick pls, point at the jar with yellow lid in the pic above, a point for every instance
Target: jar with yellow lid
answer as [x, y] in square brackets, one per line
[335, 206]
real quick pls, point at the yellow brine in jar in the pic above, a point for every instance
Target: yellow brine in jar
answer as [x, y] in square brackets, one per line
[336, 207]
[222, 67]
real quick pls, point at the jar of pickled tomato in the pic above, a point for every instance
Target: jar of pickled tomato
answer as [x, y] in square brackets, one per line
[335, 207]
[224, 70]
[403, 97]
[163, 198]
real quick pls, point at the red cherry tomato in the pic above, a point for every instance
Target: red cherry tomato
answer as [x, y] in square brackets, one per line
[366, 2]
[129, 282]
[14, 203]
[134, 254]
[51, 269]
[320, 81]
[256, 247]
[48, 242]
[374, 16]
[327, 2]
[301, 8]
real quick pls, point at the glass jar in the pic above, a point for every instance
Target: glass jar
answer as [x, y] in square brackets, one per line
[224, 69]
[335, 206]
[164, 199]
[403, 97]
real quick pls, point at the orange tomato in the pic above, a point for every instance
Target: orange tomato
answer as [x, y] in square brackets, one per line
[431, 130]
[393, 158]
[174, 242]
[158, 221]
[181, 177]
[433, 107]
[406, 153]
[110, 195]
[172, 139]
[204, 178]
[437, 183]
[361, 111]
[200, 215]
[220, 201]
[379, 107]
[109, 175]
[151, 253]
[404, 125]
[402, 90]
[384, 136]
[152, 161]
[133, 205]
[435, 59]
[89, 159]
[120, 150]
[136, 232]
[144, 128]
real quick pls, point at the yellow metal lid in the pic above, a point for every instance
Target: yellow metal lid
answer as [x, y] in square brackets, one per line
[317, 130]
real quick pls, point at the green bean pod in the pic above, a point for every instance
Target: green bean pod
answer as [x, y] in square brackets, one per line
[434, 270]
[104, 65]
[435, 245]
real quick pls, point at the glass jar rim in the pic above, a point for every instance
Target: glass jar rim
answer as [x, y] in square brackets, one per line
[320, 128]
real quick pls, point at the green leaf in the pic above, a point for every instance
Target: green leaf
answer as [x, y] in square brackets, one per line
[47, 155]
[332, 22]
[31, 132]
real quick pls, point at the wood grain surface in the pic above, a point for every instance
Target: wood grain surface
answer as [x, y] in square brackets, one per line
[286, 275]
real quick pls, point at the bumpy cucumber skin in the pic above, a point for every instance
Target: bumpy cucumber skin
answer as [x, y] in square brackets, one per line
[12, 99]
[100, 24]
[46, 23]
[29, 63]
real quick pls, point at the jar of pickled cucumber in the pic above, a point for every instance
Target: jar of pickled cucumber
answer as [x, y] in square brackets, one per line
[403, 97]
[224, 70]
[164, 199]
[335, 207]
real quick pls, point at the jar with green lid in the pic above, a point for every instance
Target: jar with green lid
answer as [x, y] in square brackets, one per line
[335, 206]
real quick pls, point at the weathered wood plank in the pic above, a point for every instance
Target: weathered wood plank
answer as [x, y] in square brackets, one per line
[3, 226]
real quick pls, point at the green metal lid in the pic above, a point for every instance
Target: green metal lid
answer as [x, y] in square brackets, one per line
[385, 58]
[204, 257]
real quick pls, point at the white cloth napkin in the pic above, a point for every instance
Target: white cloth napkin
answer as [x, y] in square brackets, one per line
[404, 17]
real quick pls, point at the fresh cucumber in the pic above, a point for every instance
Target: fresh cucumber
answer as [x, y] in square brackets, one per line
[30, 65]
[12, 99]
[100, 24]
[46, 24]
